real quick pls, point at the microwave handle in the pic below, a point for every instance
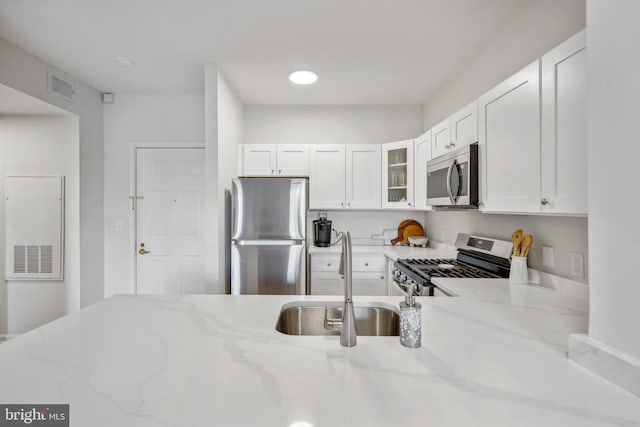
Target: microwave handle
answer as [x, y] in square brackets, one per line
[449, 191]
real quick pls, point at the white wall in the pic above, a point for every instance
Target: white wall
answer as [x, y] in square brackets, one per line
[230, 133]
[277, 124]
[539, 27]
[565, 234]
[137, 118]
[43, 145]
[366, 227]
[27, 73]
[213, 269]
[613, 37]
[3, 289]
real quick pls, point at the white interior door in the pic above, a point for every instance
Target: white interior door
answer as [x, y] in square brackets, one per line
[170, 213]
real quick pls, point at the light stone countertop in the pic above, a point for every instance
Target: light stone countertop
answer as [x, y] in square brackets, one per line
[493, 356]
[434, 250]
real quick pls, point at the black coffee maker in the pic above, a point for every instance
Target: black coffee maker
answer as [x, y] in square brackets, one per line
[322, 231]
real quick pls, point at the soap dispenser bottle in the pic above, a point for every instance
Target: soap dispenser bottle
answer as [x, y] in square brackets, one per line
[410, 321]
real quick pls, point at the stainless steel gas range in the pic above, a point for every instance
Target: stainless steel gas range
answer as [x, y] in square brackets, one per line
[478, 258]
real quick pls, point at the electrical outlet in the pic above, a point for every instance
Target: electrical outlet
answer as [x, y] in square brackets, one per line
[577, 265]
[548, 257]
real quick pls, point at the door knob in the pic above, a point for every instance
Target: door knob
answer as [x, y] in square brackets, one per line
[142, 250]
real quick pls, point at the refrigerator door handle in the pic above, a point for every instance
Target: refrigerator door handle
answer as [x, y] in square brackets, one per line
[267, 242]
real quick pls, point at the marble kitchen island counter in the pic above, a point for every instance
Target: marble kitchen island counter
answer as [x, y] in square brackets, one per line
[488, 360]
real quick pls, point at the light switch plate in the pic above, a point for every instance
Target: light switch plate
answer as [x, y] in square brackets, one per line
[548, 257]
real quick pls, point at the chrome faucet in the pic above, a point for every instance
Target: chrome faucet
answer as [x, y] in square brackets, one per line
[347, 324]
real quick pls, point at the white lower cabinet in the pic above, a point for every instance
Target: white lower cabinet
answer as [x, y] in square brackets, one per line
[369, 276]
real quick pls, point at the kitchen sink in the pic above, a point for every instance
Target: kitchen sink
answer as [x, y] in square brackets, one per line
[307, 318]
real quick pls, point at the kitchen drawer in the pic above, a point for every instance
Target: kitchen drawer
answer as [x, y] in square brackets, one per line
[325, 283]
[366, 263]
[325, 263]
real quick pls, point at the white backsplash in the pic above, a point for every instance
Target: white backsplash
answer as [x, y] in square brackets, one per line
[366, 227]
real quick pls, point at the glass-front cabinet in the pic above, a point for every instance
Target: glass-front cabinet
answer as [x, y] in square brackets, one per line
[397, 179]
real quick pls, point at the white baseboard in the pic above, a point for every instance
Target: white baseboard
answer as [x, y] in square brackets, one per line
[6, 337]
[610, 364]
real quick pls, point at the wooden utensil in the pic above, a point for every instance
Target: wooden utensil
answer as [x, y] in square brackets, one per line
[516, 238]
[526, 245]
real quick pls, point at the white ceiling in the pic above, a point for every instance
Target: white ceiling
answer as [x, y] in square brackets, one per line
[16, 102]
[365, 51]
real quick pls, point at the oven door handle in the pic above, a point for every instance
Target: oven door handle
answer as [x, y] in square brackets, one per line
[449, 191]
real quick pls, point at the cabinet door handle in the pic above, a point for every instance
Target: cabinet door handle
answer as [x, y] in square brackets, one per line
[349, 204]
[544, 202]
[409, 203]
[452, 145]
[447, 146]
[273, 172]
[366, 264]
[341, 204]
[279, 171]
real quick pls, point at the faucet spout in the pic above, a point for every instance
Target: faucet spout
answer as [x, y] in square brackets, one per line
[347, 324]
[348, 331]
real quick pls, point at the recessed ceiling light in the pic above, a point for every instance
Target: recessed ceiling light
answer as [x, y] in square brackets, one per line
[303, 77]
[125, 62]
[301, 424]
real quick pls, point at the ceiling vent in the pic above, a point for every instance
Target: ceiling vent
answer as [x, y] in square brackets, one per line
[60, 87]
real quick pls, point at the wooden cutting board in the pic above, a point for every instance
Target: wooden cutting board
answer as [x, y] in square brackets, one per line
[412, 230]
[403, 225]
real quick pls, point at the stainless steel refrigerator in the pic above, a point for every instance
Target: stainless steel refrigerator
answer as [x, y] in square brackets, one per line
[268, 236]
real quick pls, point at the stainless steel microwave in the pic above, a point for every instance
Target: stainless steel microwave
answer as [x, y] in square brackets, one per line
[452, 179]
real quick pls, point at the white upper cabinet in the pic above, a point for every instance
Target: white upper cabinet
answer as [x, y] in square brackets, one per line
[564, 128]
[456, 131]
[441, 138]
[363, 182]
[258, 159]
[345, 177]
[509, 143]
[397, 179]
[464, 126]
[293, 160]
[422, 153]
[327, 177]
[274, 160]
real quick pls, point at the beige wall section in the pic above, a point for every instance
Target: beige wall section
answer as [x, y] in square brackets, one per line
[352, 124]
[230, 131]
[539, 27]
[565, 234]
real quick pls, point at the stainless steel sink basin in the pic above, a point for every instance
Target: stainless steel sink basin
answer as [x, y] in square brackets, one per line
[307, 318]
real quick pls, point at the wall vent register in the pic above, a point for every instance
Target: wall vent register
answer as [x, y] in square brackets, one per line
[34, 227]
